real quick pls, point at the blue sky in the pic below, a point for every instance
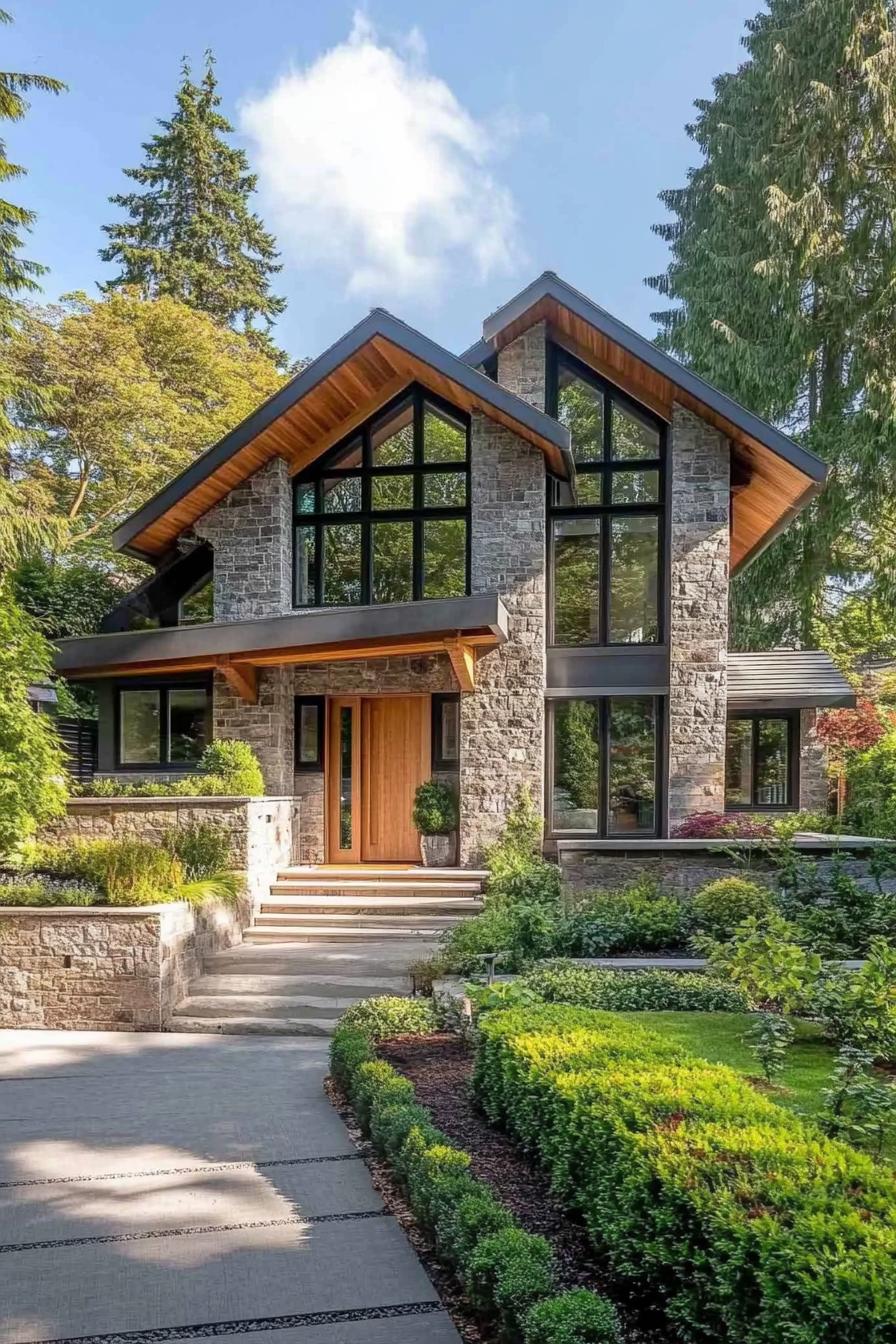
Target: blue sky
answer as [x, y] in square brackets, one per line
[428, 157]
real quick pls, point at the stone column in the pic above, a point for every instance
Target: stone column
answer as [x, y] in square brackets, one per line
[698, 633]
[502, 721]
[250, 531]
[814, 786]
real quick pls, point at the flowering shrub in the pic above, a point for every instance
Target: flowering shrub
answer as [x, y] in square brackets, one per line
[723, 826]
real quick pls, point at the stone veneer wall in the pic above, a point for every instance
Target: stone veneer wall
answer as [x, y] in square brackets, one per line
[698, 633]
[427, 673]
[251, 535]
[502, 722]
[260, 830]
[814, 781]
[682, 874]
[102, 969]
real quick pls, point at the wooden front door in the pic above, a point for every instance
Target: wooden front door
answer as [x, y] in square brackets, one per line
[378, 753]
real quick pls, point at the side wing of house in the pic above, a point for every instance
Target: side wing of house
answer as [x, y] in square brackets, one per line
[509, 569]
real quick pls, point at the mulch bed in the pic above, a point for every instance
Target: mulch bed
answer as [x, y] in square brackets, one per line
[440, 1066]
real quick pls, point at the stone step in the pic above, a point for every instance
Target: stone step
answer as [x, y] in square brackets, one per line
[370, 959]
[256, 1026]
[324, 986]
[344, 886]
[370, 903]
[328, 933]
[280, 1006]
[356, 919]
[372, 872]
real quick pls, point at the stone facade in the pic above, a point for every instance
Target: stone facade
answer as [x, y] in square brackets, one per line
[260, 830]
[698, 624]
[681, 874]
[814, 780]
[104, 969]
[502, 722]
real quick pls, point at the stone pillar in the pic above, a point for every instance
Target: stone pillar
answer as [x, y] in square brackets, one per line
[814, 785]
[502, 721]
[250, 531]
[698, 627]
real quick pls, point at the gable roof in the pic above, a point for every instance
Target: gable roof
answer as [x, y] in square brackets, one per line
[321, 405]
[773, 476]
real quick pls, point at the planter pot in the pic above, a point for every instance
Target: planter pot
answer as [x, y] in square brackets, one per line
[437, 851]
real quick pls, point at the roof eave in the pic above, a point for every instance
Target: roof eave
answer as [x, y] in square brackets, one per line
[811, 492]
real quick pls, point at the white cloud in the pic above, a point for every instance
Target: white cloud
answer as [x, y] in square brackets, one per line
[368, 164]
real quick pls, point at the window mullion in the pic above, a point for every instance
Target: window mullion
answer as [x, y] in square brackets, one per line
[164, 727]
[754, 759]
[604, 766]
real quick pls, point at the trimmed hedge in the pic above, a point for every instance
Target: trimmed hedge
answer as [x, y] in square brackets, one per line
[576, 1317]
[635, 991]
[731, 1212]
[504, 1270]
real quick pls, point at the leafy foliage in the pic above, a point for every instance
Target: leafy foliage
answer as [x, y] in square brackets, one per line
[576, 1317]
[859, 1107]
[508, 1272]
[718, 908]
[770, 1038]
[389, 1016]
[639, 918]
[201, 847]
[633, 991]
[764, 960]
[519, 846]
[856, 729]
[859, 1007]
[39, 889]
[131, 871]
[435, 808]
[227, 768]
[722, 826]
[780, 277]
[871, 789]
[190, 233]
[707, 1198]
[68, 594]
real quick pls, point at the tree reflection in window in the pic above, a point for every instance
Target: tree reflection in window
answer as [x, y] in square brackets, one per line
[384, 517]
[604, 766]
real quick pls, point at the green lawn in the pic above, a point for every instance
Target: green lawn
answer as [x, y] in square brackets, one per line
[718, 1037]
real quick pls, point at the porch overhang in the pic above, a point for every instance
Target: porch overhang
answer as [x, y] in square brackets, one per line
[460, 627]
[786, 679]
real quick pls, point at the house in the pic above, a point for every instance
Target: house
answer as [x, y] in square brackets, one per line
[505, 568]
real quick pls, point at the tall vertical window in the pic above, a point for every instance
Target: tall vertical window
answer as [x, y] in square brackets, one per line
[761, 761]
[384, 516]
[604, 754]
[607, 544]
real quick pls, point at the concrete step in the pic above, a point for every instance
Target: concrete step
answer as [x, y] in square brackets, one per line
[355, 919]
[323, 986]
[344, 886]
[279, 1006]
[388, 873]
[369, 903]
[372, 958]
[328, 933]
[256, 1026]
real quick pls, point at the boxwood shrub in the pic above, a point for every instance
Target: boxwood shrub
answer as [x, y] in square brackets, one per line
[635, 991]
[576, 1317]
[729, 1211]
[504, 1270]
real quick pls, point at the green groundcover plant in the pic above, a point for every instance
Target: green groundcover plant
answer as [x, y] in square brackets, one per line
[227, 768]
[507, 1273]
[634, 991]
[736, 1216]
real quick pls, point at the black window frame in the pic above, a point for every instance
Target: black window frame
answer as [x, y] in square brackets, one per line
[316, 766]
[365, 517]
[560, 506]
[757, 716]
[440, 761]
[164, 765]
[603, 831]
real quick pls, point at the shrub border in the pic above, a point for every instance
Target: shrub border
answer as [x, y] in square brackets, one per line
[505, 1271]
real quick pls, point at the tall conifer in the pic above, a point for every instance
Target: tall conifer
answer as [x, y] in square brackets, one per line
[191, 233]
[783, 258]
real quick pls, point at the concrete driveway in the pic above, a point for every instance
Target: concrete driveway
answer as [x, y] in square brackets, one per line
[167, 1187]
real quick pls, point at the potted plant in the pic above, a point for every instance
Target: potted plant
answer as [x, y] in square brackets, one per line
[435, 816]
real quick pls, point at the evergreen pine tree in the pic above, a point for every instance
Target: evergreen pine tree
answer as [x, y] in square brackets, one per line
[783, 252]
[190, 232]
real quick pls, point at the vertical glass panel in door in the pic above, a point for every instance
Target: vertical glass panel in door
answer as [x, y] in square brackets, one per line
[581, 408]
[739, 763]
[346, 782]
[576, 581]
[139, 727]
[187, 724]
[392, 562]
[632, 765]
[576, 792]
[772, 765]
[634, 558]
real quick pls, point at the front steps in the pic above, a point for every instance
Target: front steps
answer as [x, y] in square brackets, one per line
[324, 939]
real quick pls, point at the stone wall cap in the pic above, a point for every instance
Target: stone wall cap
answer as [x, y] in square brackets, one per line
[124, 912]
[805, 840]
[177, 800]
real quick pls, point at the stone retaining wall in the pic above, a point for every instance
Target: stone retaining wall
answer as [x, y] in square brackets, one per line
[102, 968]
[683, 874]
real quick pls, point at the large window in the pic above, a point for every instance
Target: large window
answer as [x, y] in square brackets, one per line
[761, 762]
[606, 545]
[604, 755]
[384, 516]
[162, 726]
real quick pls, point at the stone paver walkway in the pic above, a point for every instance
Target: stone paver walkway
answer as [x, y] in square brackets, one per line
[173, 1187]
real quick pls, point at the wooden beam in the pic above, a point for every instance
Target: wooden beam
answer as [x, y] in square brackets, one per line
[241, 678]
[463, 661]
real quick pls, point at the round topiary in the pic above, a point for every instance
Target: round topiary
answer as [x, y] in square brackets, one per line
[576, 1317]
[435, 808]
[721, 906]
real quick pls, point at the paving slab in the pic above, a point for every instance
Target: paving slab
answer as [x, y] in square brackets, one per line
[167, 1183]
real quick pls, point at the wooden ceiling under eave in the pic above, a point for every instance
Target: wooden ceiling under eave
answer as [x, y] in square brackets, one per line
[769, 489]
[325, 415]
